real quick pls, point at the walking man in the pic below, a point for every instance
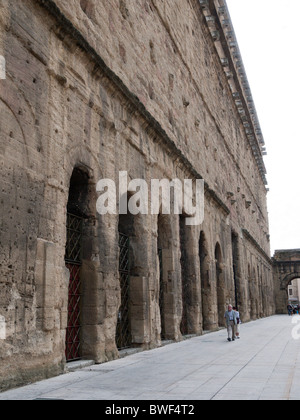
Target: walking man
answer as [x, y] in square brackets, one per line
[231, 323]
[238, 320]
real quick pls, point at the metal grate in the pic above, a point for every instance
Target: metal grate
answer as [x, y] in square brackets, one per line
[161, 294]
[74, 238]
[186, 295]
[123, 334]
[73, 263]
[185, 300]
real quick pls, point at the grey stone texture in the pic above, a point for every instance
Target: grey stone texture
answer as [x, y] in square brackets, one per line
[97, 87]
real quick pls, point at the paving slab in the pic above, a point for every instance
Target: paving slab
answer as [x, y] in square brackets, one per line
[263, 365]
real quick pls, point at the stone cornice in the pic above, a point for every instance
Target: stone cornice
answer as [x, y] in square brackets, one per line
[276, 262]
[250, 238]
[287, 251]
[219, 22]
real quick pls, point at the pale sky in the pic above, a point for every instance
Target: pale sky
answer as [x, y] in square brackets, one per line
[268, 36]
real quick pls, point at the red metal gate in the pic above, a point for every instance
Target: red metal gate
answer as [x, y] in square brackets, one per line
[73, 263]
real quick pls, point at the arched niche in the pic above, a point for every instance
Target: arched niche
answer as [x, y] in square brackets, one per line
[221, 302]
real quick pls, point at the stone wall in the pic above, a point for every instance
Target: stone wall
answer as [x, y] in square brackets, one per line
[106, 87]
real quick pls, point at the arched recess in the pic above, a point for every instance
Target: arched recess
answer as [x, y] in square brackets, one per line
[220, 285]
[236, 269]
[288, 279]
[255, 294]
[80, 246]
[133, 327]
[18, 121]
[260, 290]
[265, 292]
[164, 250]
[22, 171]
[126, 267]
[13, 145]
[186, 292]
[284, 275]
[251, 301]
[205, 282]
[82, 155]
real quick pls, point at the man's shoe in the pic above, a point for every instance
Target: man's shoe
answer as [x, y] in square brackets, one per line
[229, 339]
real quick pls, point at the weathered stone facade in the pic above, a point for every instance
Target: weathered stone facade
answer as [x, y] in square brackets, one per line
[154, 88]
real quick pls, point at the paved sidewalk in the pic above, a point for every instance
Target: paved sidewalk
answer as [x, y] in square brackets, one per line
[264, 364]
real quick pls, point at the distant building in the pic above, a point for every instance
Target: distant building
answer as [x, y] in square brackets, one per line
[294, 292]
[286, 273]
